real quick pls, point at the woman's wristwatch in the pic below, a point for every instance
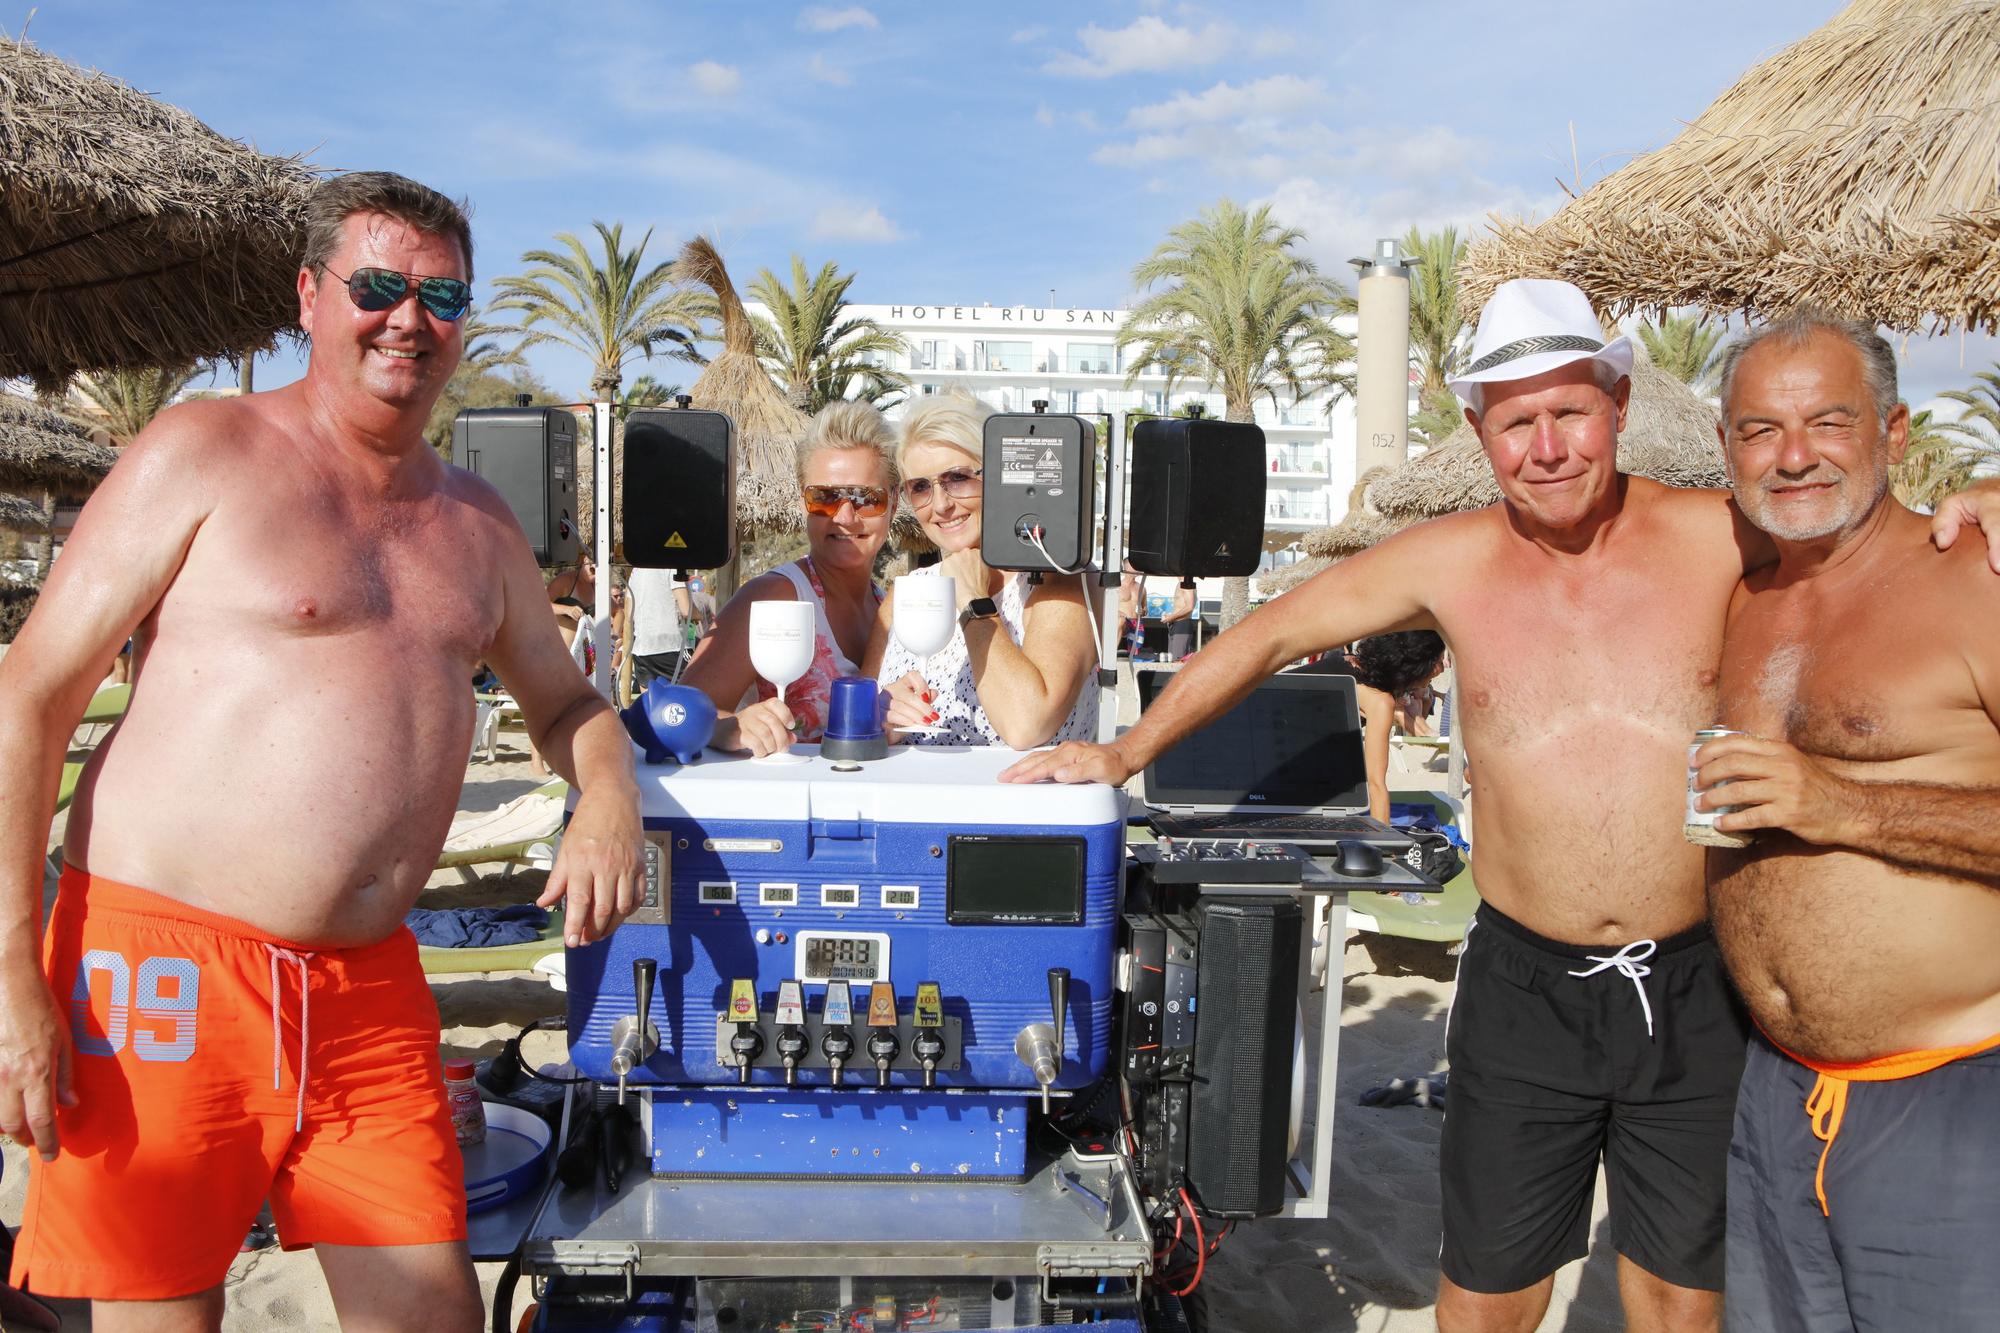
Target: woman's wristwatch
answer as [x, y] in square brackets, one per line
[979, 608]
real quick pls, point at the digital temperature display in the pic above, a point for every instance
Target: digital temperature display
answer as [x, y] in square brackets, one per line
[843, 957]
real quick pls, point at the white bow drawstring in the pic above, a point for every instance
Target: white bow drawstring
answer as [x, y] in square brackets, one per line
[305, 1028]
[1630, 962]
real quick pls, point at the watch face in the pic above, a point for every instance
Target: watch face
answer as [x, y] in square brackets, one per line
[981, 607]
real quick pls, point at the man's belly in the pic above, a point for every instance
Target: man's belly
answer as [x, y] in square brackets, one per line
[1581, 840]
[318, 826]
[1842, 957]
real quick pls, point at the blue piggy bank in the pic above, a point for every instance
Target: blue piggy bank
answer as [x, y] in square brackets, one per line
[674, 720]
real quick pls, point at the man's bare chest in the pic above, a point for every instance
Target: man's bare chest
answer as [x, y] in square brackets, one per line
[1866, 680]
[311, 571]
[1544, 657]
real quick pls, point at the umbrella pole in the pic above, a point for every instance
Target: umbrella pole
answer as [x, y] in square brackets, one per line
[1110, 576]
[600, 630]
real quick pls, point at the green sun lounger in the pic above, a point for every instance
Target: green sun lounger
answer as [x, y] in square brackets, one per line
[1441, 916]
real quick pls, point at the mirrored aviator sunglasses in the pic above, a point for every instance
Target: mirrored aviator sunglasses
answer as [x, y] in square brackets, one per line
[375, 289]
[868, 501]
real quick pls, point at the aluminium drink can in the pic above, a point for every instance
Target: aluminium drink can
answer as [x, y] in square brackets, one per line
[1699, 825]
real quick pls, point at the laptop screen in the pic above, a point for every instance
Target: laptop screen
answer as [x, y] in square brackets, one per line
[1295, 741]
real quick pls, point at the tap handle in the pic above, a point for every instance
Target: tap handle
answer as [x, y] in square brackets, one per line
[1059, 1004]
[644, 971]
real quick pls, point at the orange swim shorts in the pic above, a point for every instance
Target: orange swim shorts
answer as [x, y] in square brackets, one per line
[215, 1067]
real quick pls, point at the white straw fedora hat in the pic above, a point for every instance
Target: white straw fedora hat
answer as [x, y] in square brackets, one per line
[1532, 325]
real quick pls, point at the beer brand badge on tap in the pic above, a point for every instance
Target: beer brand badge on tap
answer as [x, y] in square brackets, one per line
[743, 1001]
[882, 1005]
[930, 1005]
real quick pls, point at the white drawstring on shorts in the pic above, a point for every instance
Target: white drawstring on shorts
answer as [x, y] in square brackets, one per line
[305, 1028]
[1631, 964]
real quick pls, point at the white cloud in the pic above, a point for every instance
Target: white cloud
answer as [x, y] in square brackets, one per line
[1278, 95]
[1148, 43]
[820, 69]
[1044, 117]
[819, 18]
[854, 222]
[1026, 35]
[716, 80]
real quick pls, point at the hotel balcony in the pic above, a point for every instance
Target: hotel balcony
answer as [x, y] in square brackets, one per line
[1295, 512]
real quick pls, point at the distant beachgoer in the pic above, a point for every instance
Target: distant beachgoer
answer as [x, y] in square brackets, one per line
[1593, 1023]
[227, 1006]
[847, 482]
[1386, 667]
[1864, 668]
[661, 608]
[1179, 621]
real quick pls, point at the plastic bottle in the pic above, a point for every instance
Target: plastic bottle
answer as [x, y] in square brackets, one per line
[468, 1111]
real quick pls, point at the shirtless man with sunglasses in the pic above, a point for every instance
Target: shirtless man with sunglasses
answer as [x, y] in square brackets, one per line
[227, 1007]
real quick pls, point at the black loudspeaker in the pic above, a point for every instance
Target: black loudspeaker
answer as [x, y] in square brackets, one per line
[528, 454]
[1240, 1116]
[679, 502]
[1197, 497]
[1040, 484]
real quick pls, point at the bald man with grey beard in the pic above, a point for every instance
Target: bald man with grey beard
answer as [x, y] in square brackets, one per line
[1860, 922]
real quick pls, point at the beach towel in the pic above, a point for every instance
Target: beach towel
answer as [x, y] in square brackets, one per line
[476, 927]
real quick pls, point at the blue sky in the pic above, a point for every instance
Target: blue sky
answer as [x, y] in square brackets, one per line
[950, 153]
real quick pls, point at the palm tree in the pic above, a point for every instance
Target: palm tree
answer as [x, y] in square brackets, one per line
[1935, 465]
[1978, 427]
[1436, 320]
[125, 401]
[649, 392]
[610, 313]
[809, 349]
[483, 353]
[1685, 347]
[1242, 312]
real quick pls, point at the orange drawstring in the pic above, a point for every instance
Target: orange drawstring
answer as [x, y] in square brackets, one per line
[1827, 1105]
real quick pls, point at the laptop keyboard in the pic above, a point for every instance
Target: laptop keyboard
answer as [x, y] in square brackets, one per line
[1331, 825]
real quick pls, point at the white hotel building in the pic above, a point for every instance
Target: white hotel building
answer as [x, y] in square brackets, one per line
[1011, 356]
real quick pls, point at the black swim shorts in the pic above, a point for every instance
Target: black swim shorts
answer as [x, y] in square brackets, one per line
[1562, 1055]
[1910, 1235]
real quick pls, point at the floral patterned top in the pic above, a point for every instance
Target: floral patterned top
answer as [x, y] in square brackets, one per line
[949, 675]
[808, 695]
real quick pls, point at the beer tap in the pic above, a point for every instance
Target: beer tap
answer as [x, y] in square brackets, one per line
[748, 1043]
[1039, 1046]
[836, 1043]
[927, 1044]
[633, 1037]
[791, 1044]
[883, 1045]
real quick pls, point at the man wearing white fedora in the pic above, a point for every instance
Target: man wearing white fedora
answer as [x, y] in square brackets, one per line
[1593, 1023]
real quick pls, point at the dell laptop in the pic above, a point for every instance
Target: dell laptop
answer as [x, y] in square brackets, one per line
[1283, 765]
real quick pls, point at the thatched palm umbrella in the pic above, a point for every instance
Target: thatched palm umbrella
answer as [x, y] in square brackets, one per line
[20, 514]
[1853, 170]
[130, 233]
[1357, 532]
[769, 430]
[44, 454]
[1669, 436]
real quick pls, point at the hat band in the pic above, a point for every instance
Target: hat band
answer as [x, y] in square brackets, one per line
[1549, 342]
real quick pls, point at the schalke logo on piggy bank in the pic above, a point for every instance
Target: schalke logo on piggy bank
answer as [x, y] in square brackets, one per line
[670, 720]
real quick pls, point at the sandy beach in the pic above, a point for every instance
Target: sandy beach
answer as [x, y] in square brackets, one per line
[1372, 1267]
